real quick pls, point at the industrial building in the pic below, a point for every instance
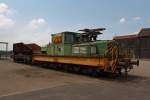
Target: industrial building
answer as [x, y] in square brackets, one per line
[137, 45]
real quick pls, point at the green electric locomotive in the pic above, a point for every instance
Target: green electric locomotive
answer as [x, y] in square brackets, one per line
[78, 51]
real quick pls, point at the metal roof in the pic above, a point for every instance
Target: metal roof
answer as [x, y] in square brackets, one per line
[125, 37]
[143, 33]
[4, 42]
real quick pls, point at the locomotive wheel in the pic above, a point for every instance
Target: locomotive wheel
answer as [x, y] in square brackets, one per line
[89, 71]
[66, 67]
[76, 68]
[95, 72]
[119, 72]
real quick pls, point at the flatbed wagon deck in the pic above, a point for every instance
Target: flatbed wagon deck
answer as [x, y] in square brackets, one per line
[98, 62]
[95, 62]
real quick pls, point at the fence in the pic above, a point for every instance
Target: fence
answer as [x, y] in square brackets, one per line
[3, 50]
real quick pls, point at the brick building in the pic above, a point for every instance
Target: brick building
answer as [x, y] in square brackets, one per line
[137, 45]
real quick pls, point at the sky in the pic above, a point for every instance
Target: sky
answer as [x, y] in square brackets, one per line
[33, 21]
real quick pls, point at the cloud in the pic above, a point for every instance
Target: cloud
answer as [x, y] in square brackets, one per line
[37, 23]
[122, 20]
[35, 31]
[137, 18]
[5, 22]
[3, 8]
[34, 26]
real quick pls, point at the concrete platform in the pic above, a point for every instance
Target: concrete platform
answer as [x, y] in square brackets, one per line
[24, 82]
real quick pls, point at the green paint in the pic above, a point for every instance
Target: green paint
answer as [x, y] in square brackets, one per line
[101, 47]
[70, 41]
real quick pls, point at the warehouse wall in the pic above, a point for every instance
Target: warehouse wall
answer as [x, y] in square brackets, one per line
[138, 45]
[144, 47]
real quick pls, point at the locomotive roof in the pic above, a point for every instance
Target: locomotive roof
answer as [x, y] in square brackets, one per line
[66, 32]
